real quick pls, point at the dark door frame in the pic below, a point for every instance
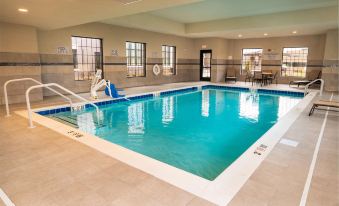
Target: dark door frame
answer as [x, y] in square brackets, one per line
[202, 67]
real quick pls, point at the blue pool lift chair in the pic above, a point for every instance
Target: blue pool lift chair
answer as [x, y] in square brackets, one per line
[114, 91]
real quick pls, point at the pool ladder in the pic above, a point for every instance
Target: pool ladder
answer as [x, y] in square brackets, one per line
[314, 81]
[47, 86]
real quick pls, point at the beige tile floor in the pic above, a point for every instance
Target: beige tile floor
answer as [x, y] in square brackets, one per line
[41, 167]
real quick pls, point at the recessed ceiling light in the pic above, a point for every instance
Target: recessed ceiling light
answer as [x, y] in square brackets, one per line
[23, 10]
[130, 2]
[239, 35]
[265, 34]
[294, 32]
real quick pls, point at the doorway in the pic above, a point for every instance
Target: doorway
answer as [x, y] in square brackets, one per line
[205, 65]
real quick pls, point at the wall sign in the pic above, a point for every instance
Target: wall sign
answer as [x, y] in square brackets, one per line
[271, 56]
[114, 52]
[62, 50]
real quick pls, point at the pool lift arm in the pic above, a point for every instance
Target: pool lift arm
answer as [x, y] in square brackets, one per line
[98, 83]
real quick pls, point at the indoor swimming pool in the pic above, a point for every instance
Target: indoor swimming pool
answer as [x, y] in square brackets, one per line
[199, 131]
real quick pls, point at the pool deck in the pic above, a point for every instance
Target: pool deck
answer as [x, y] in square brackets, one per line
[42, 167]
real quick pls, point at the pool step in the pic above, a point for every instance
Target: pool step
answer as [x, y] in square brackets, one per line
[69, 121]
[73, 122]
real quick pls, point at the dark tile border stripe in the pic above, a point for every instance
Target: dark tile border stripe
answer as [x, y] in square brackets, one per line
[278, 92]
[225, 88]
[124, 64]
[177, 91]
[19, 64]
[171, 92]
[108, 102]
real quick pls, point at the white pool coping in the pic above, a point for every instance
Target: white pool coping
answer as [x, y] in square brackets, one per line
[219, 191]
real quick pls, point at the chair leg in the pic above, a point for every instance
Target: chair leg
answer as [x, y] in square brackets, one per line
[312, 110]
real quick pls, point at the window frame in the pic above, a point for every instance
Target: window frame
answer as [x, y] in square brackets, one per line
[242, 59]
[143, 58]
[101, 57]
[282, 62]
[168, 67]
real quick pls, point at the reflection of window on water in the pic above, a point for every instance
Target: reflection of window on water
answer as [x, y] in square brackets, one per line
[205, 103]
[249, 107]
[136, 122]
[86, 122]
[167, 109]
[285, 104]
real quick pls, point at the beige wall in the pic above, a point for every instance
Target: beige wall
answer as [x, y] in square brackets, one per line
[227, 54]
[18, 58]
[26, 52]
[331, 46]
[331, 61]
[220, 52]
[114, 37]
[315, 43]
[18, 38]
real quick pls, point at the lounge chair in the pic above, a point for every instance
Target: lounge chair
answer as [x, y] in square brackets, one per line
[231, 75]
[324, 103]
[311, 77]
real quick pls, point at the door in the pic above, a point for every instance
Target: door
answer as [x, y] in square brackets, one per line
[205, 65]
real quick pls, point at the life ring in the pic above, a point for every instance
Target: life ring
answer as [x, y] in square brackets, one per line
[156, 69]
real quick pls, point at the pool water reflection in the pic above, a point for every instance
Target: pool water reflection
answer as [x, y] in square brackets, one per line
[201, 132]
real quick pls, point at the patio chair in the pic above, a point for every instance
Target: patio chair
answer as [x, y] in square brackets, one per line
[313, 75]
[257, 78]
[324, 103]
[231, 75]
[248, 76]
[272, 78]
[267, 71]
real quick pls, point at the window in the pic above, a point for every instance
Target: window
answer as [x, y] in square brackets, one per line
[251, 59]
[168, 59]
[87, 57]
[294, 62]
[136, 59]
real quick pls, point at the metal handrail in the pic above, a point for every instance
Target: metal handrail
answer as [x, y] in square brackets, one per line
[28, 79]
[29, 110]
[321, 86]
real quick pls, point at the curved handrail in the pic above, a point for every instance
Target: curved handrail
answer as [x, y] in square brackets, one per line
[26, 79]
[29, 110]
[321, 86]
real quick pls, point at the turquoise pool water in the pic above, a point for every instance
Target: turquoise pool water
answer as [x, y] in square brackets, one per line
[201, 132]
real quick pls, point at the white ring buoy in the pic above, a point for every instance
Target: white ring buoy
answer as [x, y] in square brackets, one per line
[156, 69]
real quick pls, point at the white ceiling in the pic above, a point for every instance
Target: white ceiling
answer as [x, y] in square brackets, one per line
[52, 14]
[191, 18]
[222, 9]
